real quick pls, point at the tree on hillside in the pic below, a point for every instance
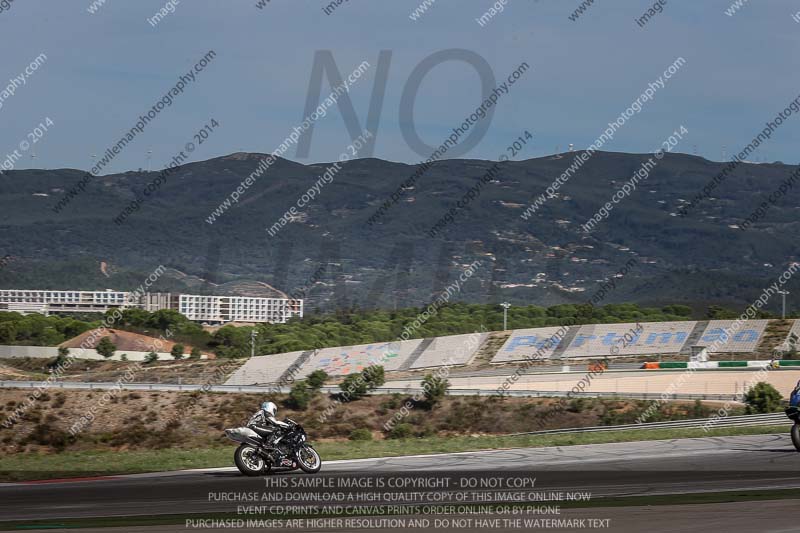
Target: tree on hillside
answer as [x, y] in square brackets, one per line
[177, 351]
[231, 341]
[715, 312]
[562, 310]
[71, 327]
[353, 388]
[356, 386]
[63, 355]
[8, 332]
[374, 376]
[762, 398]
[135, 317]
[195, 354]
[317, 379]
[299, 396]
[434, 389]
[584, 312]
[106, 348]
[152, 357]
[678, 310]
[166, 319]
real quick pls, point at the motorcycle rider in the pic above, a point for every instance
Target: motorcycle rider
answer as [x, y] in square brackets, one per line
[268, 427]
[264, 422]
[794, 399]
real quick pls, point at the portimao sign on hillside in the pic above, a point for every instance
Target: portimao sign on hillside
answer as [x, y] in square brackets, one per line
[593, 340]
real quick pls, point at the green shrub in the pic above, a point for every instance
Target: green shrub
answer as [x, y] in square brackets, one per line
[361, 434]
[434, 388]
[299, 396]
[353, 387]
[177, 351]
[61, 360]
[317, 379]
[576, 405]
[45, 435]
[106, 348]
[763, 398]
[152, 357]
[374, 376]
[401, 431]
[59, 400]
[392, 402]
[699, 410]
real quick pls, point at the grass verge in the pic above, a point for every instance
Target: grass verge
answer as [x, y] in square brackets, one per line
[22, 467]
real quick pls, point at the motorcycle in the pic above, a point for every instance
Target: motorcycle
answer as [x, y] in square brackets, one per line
[794, 414]
[258, 453]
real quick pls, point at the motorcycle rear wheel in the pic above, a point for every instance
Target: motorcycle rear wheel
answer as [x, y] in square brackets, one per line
[249, 462]
[796, 435]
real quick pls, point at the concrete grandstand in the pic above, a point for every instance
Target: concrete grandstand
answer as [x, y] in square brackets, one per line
[792, 339]
[654, 338]
[523, 343]
[743, 341]
[478, 352]
[596, 340]
[266, 369]
[552, 346]
[345, 360]
[351, 359]
[449, 351]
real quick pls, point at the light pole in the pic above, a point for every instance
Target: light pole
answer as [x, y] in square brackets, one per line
[783, 297]
[253, 335]
[505, 306]
[149, 156]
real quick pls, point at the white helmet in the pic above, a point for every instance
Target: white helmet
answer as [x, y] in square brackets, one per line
[269, 408]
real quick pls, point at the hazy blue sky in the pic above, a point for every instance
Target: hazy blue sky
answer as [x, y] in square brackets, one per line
[105, 69]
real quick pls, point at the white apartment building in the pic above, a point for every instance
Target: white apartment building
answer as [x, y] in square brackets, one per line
[46, 302]
[199, 308]
[223, 309]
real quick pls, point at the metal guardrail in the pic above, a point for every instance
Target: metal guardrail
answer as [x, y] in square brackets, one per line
[772, 419]
[161, 387]
[560, 394]
[262, 389]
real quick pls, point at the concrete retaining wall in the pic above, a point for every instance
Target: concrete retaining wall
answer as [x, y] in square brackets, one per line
[48, 352]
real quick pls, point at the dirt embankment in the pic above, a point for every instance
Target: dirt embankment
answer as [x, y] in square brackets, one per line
[155, 420]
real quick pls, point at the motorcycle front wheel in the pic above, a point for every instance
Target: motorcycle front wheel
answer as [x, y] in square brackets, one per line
[308, 460]
[796, 435]
[248, 461]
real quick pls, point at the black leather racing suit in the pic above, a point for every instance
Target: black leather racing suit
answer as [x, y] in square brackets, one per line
[265, 425]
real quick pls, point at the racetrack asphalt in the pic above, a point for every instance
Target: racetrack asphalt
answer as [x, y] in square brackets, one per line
[706, 465]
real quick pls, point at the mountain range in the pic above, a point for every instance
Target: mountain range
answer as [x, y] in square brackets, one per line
[335, 253]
